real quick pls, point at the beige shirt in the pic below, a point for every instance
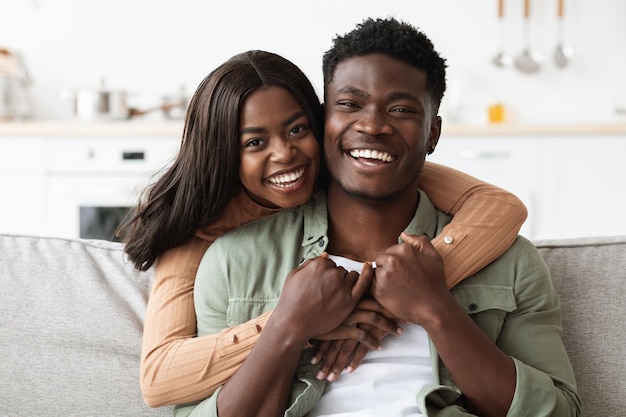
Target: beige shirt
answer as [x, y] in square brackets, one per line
[177, 367]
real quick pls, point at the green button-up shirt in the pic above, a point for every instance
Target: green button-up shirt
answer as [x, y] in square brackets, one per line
[512, 300]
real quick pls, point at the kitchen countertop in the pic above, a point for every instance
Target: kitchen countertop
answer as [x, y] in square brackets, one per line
[174, 129]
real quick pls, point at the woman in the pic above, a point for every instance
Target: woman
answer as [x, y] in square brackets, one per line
[210, 189]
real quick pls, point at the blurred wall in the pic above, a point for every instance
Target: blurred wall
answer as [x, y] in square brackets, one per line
[151, 47]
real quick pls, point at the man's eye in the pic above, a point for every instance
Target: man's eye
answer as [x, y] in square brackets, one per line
[346, 104]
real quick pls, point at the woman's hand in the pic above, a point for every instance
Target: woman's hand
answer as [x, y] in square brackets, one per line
[345, 347]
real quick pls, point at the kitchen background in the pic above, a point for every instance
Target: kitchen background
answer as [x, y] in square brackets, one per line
[151, 48]
[559, 146]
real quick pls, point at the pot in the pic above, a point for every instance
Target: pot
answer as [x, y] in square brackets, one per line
[14, 83]
[100, 104]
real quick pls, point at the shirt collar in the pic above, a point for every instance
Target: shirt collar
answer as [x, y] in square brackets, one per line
[427, 221]
[315, 220]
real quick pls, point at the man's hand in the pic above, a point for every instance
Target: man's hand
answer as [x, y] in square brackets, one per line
[409, 279]
[318, 296]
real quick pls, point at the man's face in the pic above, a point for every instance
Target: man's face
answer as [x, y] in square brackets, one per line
[379, 126]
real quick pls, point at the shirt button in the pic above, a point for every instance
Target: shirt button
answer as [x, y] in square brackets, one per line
[321, 243]
[473, 307]
[448, 239]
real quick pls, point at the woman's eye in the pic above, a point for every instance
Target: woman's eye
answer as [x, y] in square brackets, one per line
[297, 130]
[253, 143]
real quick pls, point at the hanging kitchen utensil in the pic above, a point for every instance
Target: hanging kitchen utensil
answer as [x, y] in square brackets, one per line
[528, 61]
[502, 58]
[563, 53]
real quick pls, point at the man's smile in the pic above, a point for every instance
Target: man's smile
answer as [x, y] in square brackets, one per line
[371, 155]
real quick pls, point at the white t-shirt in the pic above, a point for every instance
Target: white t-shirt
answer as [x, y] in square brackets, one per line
[387, 381]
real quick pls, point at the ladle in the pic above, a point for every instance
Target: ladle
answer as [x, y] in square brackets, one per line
[528, 61]
[563, 53]
[502, 58]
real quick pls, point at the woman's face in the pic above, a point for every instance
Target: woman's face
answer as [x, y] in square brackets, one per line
[279, 153]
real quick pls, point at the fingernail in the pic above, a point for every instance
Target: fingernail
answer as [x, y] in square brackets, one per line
[331, 376]
[399, 330]
[320, 375]
[314, 360]
[349, 369]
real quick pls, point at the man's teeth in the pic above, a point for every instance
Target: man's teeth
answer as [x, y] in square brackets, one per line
[371, 154]
[284, 180]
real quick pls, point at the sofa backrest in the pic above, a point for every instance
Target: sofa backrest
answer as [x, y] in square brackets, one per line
[589, 274]
[71, 314]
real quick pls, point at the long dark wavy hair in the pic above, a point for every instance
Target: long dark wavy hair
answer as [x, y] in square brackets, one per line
[195, 189]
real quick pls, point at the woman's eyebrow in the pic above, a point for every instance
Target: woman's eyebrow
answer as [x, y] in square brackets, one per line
[294, 117]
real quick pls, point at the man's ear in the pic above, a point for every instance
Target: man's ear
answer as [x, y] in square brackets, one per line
[435, 132]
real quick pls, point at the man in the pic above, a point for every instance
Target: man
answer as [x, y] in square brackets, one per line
[489, 347]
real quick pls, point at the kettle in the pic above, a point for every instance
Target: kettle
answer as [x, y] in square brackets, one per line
[14, 83]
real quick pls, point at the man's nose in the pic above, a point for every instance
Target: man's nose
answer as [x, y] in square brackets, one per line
[374, 122]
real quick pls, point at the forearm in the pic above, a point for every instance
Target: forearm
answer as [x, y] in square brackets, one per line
[486, 220]
[176, 366]
[191, 368]
[262, 386]
[485, 375]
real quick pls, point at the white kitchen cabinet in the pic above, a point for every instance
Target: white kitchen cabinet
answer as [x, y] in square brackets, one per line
[91, 183]
[510, 163]
[585, 183]
[46, 183]
[22, 182]
[570, 180]
[572, 185]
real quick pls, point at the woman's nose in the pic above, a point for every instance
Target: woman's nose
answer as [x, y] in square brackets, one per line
[283, 151]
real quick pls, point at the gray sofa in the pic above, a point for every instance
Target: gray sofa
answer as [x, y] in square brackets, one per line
[71, 314]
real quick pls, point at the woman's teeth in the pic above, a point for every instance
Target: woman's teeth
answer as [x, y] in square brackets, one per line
[371, 154]
[285, 180]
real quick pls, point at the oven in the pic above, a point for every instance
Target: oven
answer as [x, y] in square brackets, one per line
[91, 184]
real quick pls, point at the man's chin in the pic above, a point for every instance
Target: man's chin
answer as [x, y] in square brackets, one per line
[367, 195]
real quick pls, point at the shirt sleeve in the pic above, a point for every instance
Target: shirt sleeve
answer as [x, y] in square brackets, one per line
[531, 335]
[526, 327]
[486, 220]
[176, 366]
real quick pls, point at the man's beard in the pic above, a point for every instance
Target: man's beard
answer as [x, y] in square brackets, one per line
[362, 195]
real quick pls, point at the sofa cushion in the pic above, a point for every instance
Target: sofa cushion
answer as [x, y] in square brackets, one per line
[71, 314]
[71, 323]
[589, 274]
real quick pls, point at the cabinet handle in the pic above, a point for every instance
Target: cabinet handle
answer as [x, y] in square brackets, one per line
[472, 154]
[133, 156]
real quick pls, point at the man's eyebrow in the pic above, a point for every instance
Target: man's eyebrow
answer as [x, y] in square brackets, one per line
[403, 96]
[353, 90]
[400, 95]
